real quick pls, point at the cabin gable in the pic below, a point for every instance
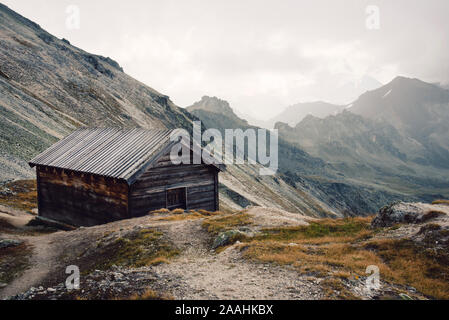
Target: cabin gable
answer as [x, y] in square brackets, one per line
[166, 185]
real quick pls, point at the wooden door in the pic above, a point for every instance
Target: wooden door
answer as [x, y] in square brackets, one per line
[176, 198]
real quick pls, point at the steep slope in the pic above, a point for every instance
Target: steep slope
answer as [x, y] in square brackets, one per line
[49, 88]
[396, 141]
[295, 113]
[417, 109]
[306, 173]
[217, 112]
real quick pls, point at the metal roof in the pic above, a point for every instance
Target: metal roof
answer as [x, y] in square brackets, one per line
[111, 152]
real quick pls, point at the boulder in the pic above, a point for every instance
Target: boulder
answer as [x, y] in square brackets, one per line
[403, 212]
[226, 238]
[6, 243]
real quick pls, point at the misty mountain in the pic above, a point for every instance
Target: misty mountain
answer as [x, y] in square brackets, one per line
[307, 173]
[295, 113]
[394, 137]
[417, 109]
[49, 88]
[217, 112]
[356, 88]
[254, 121]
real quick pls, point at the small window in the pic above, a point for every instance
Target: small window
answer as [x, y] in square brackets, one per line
[176, 198]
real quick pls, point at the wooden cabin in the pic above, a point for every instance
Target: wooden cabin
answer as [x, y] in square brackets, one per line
[95, 176]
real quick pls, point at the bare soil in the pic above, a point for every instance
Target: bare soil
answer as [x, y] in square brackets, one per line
[198, 272]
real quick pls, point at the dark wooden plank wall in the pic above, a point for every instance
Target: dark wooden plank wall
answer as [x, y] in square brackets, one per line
[148, 192]
[80, 199]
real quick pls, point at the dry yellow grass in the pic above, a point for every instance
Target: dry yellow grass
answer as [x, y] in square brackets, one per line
[178, 217]
[191, 215]
[220, 223]
[150, 294]
[441, 201]
[342, 248]
[334, 288]
[209, 213]
[24, 195]
[425, 269]
[162, 210]
[13, 261]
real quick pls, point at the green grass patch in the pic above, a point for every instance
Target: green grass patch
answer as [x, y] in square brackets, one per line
[347, 227]
[139, 248]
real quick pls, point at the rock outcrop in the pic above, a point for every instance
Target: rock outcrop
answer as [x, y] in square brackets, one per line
[427, 225]
[403, 212]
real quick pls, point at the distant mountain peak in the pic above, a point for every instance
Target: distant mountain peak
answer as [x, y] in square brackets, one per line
[213, 104]
[297, 112]
[411, 105]
[402, 81]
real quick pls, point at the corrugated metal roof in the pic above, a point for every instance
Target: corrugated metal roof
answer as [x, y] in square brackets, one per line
[110, 152]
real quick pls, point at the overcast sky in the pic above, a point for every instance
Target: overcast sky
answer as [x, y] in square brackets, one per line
[260, 55]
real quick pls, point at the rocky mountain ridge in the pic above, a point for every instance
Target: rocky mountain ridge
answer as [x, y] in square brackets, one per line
[50, 88]
[394, 138]
[296, 113]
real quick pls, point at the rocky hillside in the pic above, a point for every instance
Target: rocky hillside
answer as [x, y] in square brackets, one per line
[393, 138]
[417, 109]
[49, 88]
[295, 113]
[304, 171]
[218, 112]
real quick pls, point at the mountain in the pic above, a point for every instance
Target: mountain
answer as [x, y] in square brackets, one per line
[418, 110]
[295, 113]
[305, 172]
[49, 88]
[393, 138]
[216, 111]
[353, 89]
[254, 121]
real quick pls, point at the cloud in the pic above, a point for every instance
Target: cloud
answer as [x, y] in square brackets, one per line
[260, 55]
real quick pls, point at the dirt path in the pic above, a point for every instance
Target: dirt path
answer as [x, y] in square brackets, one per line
[199, 273]
[42, 261]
